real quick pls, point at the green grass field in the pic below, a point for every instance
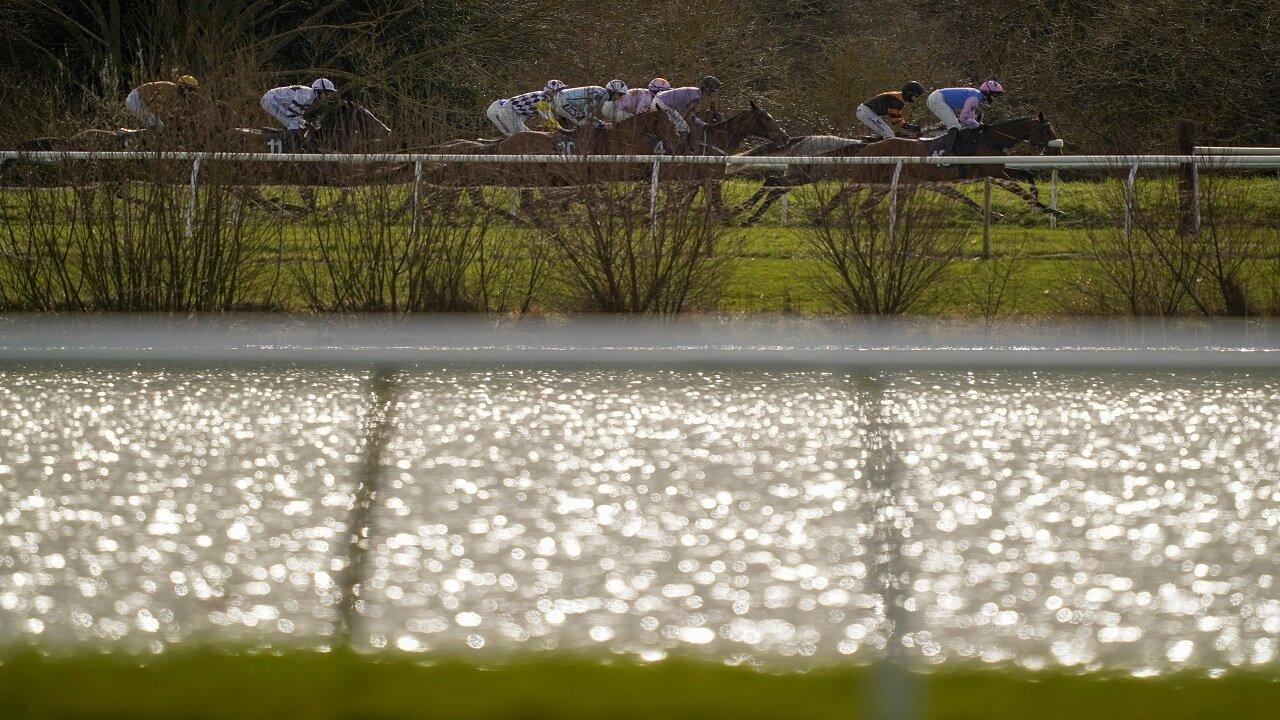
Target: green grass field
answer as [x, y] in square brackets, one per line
[774, 274]
[319, 686]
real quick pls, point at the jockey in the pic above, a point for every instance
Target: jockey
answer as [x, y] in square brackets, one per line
[883, 113]
[578, 105]
[290, 105]
[679, 103]
[960, 107]
[154, 103]
[509, 115]
[636, 101]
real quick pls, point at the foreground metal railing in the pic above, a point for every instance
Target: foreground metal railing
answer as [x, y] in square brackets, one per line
[1216, 158]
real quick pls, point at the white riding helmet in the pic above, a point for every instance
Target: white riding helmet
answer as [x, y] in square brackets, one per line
[553, 87]
[323, 85]
[616, 86]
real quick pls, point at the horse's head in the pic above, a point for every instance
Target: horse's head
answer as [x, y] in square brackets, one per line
[764, 126]
[1035, 131]
[1045, 138]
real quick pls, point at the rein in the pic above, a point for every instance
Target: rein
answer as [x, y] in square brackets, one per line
[1014, 139]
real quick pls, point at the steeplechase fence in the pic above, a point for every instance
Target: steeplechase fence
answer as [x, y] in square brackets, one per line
[1189, 164]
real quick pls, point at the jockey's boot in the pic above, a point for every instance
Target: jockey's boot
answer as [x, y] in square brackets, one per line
[686, 146]
[953, 138]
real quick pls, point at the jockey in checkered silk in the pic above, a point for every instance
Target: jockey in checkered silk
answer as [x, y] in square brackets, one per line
[577, 105]
[961, 107]
[684, 102]
[156, 104]
[636, 101]
[884, 112]
[510, 115]
[290, 105]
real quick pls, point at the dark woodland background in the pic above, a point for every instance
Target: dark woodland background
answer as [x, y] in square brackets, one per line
[1111, 75]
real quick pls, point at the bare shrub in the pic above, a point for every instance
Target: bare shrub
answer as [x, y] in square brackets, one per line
[991, 283]
[374, 256]
[115, 242]
[865, 268]
[1157, 266]
[610, 257]
[1131, 278]
[1235, 230]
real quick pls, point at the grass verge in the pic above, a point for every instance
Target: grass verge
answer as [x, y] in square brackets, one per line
[303, 684]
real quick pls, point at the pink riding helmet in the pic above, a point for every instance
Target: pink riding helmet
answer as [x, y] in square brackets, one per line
[657, 85]
[992, 87]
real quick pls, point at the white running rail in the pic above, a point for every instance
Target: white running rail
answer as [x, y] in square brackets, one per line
[1247, 158]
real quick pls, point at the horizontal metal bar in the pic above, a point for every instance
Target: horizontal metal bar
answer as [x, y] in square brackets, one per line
[632, 342]
[1097, 162]
[1223, 150]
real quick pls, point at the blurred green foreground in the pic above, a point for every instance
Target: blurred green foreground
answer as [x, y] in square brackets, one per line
[301, 684]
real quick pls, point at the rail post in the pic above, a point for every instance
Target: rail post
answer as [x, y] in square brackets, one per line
[191, 201]
[893, 200]
[1053, 199]
[1188, 181]
[782, 208]
[986, 218]
[653, 192]
[1129, 202]
[417, 197]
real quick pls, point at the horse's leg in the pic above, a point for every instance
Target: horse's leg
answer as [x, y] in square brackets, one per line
[824, 209]
[308, 194]
[774, 195]
[949, 190]
[1031, 199]
[715, 195]
[766, 188]
[874, 198]
[476, 194]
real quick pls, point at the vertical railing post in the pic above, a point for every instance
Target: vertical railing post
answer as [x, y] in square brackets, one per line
[1195, 195]
[782, 209]
[417, 197]
[893, 200]
[191, 201]
[1128, 203]
[986, 218]
[1188, 180]
[653, 191]
[1053, 199]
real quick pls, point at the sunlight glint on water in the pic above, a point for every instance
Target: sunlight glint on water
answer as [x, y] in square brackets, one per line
[1059, 519]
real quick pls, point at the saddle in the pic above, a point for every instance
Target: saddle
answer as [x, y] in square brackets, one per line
[957, 141]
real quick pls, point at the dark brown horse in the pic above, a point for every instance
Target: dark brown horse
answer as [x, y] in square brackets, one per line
[726, 138]
[988, 140]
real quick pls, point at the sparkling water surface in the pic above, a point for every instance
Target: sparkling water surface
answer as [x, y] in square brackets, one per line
[1099, 520]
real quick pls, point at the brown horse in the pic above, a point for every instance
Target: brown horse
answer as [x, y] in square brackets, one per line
[647, 133]
[726, 137]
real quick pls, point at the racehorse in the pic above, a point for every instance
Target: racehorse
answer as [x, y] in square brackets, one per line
[725, 138]
[346, 127]
[647, 133]
[994, 139]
